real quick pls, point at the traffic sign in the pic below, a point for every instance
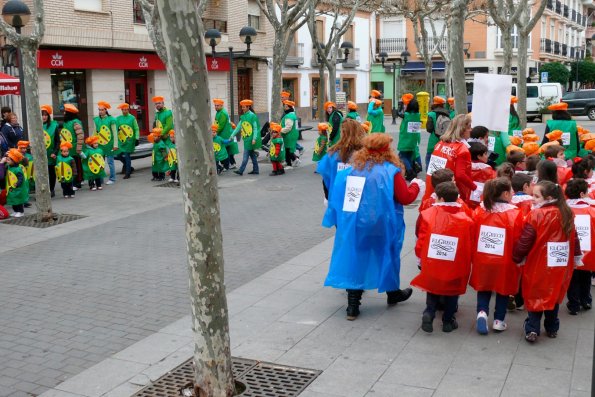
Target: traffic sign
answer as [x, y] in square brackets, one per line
[544, 77]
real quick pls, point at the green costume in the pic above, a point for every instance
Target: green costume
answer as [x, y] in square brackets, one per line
[172, 156]
[64, 168]
[498, 142]
[320, 147]
[67, 134]
[128, 132]
[49, 132]
[16, 194]
[337, 137]
[159, 153]
[569, 136]
[164, 119]
[376, 117]
[410, 134]
[250, 128]
[281, 157]
[29, 170]
[219, 148]
[453, 114]
[514, 126]
[290, 138]
[93, 163]
[354, 116]
[433, 139]
[106, 129]
[224, 131]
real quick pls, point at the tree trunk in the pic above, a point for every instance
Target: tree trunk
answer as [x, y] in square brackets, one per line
[428, 85]
[447, 78]
[43, 200]
[278, 61]
[522, 80]
[191, 104]
[332, 80]
[321, 93]
[506, 49]
[457, 63]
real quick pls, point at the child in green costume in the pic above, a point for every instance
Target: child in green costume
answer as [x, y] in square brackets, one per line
[17, 187]
[172, 157]
[321, 142]
[27, 163]
[159, 164]
[64, 166]
[220, 149]
[277, 150]
[93, 163]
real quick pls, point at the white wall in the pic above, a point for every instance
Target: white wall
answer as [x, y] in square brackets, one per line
[103, 85]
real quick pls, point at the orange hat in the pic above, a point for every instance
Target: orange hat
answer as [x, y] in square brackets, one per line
[530, 138]
[275, 127]
[123, 106]
[151, 138]
[157, 130]
[104, 104]
[15, 155]
[24, 144]
[158, 99]
[247, 102]
[351, 105]
[172, 133]
[289, 103]
[543, 147]
[375, 93]
[554, 135]
[511, 148]
[70, 108]
[214, 127]
[528, 131]
[451, 101]
[438, 100]
[329, 103]
[92, 139]
[531, 148]
[218, 101]
[366, 126]
[322, 126]
[66, 145]
[513, 100]
[587, 137]
[48, 109]
[285, 94]
[515, 140]
[407, 98]
[558, 106]
[590, 145]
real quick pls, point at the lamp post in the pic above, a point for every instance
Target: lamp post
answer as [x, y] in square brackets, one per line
[402, 61]
[577, 57]
[17, 14]
[213, 38]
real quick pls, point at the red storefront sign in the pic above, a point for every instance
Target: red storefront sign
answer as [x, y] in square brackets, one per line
[64, 59]
[9, 85]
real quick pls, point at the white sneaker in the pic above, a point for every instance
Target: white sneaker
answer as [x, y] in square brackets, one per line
[17, 214]
[288, 167]
[297, 162]
[176, 181]
[499, 326]
[482, 323]
[75, 188]
[171, 180]
[110, 182]
[232, 167]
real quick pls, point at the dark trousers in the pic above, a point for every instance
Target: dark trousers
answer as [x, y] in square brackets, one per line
[159, 175]
[450, 306]
[483, 304]
[95, 182]
[289, 157]
[52, 176]
[18, 208]
[67, 189]
[174, 174]
[223, 164]
[579, 290]
[518, 298]
[126, 162]
[412, 164]
[79, 170]
[551, 322]
[230, 158]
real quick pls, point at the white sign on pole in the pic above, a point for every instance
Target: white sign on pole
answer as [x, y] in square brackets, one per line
[491, 101]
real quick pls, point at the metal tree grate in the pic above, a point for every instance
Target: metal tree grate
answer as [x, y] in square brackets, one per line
[260, 378]
[31, 220]
[168, 184]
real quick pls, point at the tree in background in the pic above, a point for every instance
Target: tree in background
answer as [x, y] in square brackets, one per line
[586, 72]
[557, 72]
[505, 14]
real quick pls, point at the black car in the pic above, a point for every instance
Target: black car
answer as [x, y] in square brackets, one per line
[581, 103]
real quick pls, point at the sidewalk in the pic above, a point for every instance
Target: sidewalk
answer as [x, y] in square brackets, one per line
[286, 316]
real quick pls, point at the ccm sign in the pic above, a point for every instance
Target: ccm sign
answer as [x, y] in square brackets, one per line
[60, 59]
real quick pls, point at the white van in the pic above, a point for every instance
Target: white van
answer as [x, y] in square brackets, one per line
[536, 91]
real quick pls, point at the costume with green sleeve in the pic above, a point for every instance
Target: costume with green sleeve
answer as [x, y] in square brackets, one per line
[164, 119]
[93, 163]
[17, 187]
[49, 133]
[219, 148]
[128, 132]
[376, 117]
[224, 131]
[290, 138]
[249, 126]
[107, 131]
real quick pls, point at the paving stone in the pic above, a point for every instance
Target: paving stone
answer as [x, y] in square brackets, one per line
[543, 381]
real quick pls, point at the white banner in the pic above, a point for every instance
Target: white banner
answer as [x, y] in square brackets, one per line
[491, 101]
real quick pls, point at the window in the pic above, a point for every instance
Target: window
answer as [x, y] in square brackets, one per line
[549, 90]
[88, 5]
[253, 15]
[438, 25]
[532, 91]
[320, 30]
[514, 35]
[393, 29]
[552, 30]
[543, 28]
[137, 13]
[348, 36]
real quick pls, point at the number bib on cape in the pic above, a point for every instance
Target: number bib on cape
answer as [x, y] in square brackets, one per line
[491, 240]
[443, 247]
[436, 163]
[353, 193]
[558, 253]
[582, 224]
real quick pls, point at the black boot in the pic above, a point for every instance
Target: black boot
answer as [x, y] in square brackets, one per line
[353, 301]
[400, 295]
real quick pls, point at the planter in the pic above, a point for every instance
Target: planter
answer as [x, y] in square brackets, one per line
[545, 117]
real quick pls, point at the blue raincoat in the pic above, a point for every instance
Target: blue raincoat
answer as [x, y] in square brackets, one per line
[368, 242]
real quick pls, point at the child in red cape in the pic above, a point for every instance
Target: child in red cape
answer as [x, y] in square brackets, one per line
[498, 225]
[579, 290]
[522, 187]
[444, 246]
[481, 172]
[550, 248]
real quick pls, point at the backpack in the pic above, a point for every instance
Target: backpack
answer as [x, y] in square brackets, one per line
[442, 124]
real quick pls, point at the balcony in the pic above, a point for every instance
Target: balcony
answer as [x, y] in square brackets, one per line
[432, 42]
[352, 60]
[571, 54]
[557, 48]
[392, 46]
[558, 7]
[295, 56]
[564, 50]
[573, 16]
[546, 46]
[565, 11]
[549, 5]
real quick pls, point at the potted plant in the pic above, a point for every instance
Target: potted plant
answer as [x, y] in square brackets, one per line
[543, 102]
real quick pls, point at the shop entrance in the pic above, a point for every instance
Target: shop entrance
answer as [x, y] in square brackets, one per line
[135, 85]
[244, 86]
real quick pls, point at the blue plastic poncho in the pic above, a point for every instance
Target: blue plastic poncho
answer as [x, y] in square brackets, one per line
[368, 242]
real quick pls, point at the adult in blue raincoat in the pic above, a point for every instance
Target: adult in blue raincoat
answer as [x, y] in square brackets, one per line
[366, 206]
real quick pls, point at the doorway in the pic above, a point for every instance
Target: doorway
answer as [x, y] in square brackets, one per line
[135, 89]
[244, 86]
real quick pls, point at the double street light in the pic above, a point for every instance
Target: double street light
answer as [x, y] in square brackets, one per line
[17, 14]
[213, 38]
[397, 65]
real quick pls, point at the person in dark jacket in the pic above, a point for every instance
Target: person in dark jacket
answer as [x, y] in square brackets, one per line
[12, 131]
[5, 111]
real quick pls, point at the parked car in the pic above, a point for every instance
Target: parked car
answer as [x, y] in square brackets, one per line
[581, 103]
[144, 149]
[536, 91]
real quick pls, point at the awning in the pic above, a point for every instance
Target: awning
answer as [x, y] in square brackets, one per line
[9, 85]
[419, 67]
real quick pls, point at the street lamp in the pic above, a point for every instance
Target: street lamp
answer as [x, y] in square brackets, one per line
[577, 57]
[17, 14]
[213, 38]
[402, 61]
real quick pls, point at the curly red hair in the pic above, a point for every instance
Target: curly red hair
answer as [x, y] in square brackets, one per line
[376, 150]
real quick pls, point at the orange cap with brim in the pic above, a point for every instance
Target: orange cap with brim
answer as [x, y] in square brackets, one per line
[92, 139]
[24, 144]
[70, 108]
[515, 140]
[530, 148]
[531, 138]
[322, 126]
[104, 104]
[375, 93]
[351, 105]
[554, 135]
[451, 101]
[407, 98]
[156, 99]
[246, 102]
[438, 100]
[123, 106]
[513, 100]
[289, 103]
[151, 138]
[66, 145]
[590, 145]
[48, 109]
[218, 101]
[558, 106]
[528, 131]
[329, 103]
[275, 127]
[15, 155]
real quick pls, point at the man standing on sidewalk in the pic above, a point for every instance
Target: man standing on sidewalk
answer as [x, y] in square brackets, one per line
[224, 131]
[164, 118]
[128, 136]
[107, 131]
